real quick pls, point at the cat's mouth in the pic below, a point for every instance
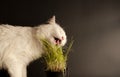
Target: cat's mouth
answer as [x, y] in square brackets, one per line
[57, 41]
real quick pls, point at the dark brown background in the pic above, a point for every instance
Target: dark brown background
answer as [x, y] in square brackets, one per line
[94, 24]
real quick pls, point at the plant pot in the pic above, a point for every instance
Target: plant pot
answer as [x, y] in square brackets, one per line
[54, 74]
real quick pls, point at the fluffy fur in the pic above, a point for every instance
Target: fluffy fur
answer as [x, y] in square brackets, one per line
[20, 45]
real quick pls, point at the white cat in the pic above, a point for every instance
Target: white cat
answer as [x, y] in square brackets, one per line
[20, 45]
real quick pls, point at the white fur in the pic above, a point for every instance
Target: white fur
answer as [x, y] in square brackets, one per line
[20, 45]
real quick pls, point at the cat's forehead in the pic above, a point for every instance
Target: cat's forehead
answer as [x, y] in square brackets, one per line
[59, 32]
[59, 28]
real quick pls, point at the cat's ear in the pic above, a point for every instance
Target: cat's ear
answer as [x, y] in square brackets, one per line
[52, 20]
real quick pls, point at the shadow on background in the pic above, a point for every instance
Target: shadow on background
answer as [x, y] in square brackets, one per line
[4, 73]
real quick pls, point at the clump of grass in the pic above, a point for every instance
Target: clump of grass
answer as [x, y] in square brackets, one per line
[55, 57]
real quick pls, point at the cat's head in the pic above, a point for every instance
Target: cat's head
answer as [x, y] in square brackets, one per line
[54, 32]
